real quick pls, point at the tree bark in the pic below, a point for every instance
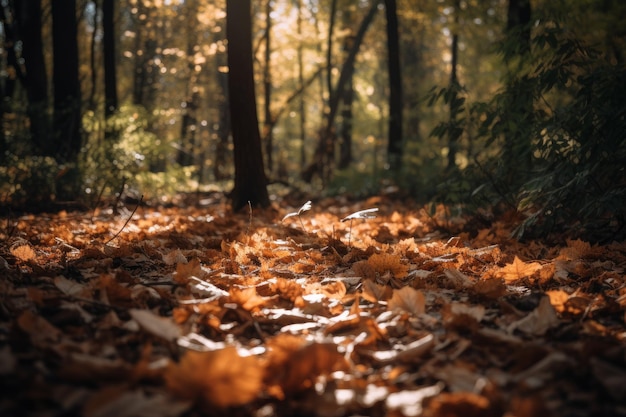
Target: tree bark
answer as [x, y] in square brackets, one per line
[109, 49]
[250, 181]
[67, 98]
[395, 142]
[35, 79]
[518, 145]
[453, 133]
[268, 136]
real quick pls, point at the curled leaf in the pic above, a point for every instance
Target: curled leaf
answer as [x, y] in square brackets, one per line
[362, 214]
[305, 207]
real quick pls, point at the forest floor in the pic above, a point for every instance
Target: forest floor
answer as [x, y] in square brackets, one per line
[201, 312]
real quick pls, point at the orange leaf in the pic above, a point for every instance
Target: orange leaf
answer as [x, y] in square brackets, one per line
[518, 269]
[219, 378]
[383, 262]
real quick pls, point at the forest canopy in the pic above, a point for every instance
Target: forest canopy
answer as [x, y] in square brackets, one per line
[501, 105]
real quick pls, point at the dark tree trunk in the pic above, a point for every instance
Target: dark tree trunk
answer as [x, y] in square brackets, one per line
[186, 152]
[518, 24]
[518, 146]
[35, 78]
[453, 133]
[67, 112]
[395, 143]
[110, 76]
[250, 181]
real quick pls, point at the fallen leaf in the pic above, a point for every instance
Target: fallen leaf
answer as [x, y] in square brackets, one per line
[408, 299]
[517, 270]
[219, 378]
[539, 321]
[163, 327]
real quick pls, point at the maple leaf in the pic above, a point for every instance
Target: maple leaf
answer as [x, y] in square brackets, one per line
[184, 271]
[220, 378]
[518, 269]
[408, 299]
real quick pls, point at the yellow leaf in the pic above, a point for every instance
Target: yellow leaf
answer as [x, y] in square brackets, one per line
[518, 269]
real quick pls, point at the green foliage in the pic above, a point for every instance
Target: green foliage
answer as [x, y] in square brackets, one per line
[29, 180]
[580, 183]
[131, 153]
[551, 141]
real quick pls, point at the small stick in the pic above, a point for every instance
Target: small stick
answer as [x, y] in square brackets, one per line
[127, 220]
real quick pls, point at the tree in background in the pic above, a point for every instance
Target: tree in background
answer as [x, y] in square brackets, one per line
[109, 48]
[250, 181]
[396, 106]
[34, 78]
[519, 110]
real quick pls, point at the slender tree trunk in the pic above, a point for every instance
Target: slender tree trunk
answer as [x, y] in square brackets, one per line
[301, 104]
[250, 181]
[454, 83]
[267, 90]
[109, 50]
[347, 97]
[35, 79]
[395, 143]
[67, 98]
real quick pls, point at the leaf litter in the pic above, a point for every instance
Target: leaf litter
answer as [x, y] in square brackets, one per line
[191, 311]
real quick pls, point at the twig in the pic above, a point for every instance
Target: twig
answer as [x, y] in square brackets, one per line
[127, 220]
[98, 200]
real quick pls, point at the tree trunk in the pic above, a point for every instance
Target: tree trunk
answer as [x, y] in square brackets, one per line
[453, 133]
[347, 97]
[267, 91]
[109, 49]
[518, 146]
[35, 79]
[67, 98]
[301, 106]
[395, 143]
[250, 181]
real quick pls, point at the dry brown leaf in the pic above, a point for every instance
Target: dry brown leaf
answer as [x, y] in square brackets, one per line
[464, 316]
[247, 298]
[408, 299]
[163, 327]
[386, 262]
[492, 288]
[184, 271]
[299, 369]
[40, 330]
[374, 292]
[539, 321]
[517, 270]
[219, 378]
